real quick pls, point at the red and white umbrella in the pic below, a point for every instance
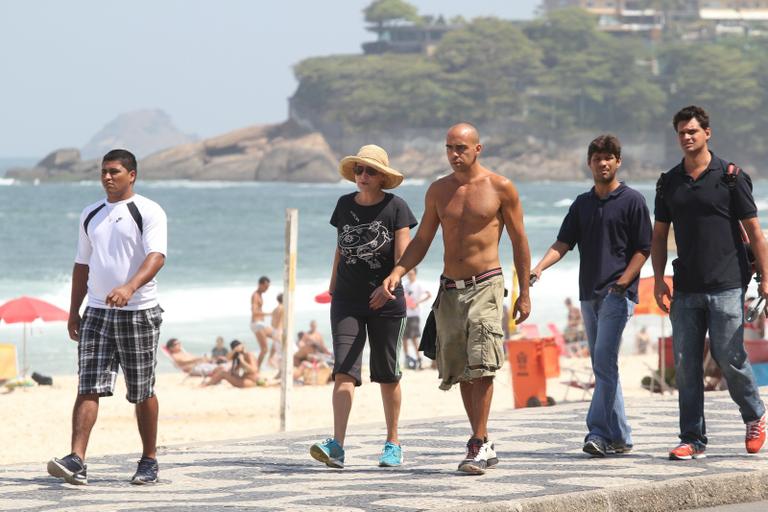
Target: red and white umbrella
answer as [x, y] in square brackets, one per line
[27, 309]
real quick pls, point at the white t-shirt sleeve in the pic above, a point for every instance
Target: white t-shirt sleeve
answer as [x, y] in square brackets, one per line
[155, 236]
[84, 248]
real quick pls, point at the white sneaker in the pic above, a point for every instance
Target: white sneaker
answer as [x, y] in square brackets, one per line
[490, 450]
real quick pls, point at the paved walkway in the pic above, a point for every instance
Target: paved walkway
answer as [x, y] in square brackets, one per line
[541, 468]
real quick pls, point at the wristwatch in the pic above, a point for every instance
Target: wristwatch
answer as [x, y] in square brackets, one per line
[618, 289]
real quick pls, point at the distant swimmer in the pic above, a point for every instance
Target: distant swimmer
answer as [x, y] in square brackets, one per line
[472, 205]
[372, 230]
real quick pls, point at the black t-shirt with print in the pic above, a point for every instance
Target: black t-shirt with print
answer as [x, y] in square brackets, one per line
[366, 242]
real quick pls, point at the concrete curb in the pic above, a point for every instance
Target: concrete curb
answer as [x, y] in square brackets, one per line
[675, 494]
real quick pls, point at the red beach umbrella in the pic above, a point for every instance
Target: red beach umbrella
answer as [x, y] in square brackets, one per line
[323, 298]
[26, 310]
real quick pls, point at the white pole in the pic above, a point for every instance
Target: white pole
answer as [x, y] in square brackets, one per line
[24, 350]
[289, 299]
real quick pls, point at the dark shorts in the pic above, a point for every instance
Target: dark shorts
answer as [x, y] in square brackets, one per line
[112, 338]
[412, 327]
[385, 335]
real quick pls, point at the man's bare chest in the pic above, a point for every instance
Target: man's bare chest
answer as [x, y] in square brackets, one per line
[468, 207]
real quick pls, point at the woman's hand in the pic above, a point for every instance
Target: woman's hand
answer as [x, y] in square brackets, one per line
[379, 297]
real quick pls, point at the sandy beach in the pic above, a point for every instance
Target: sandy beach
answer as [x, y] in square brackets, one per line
[36, 422]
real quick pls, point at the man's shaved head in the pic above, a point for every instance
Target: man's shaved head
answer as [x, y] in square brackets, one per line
[467, 130]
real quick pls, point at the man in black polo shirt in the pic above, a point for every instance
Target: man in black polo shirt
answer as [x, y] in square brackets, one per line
[711, 273]
[612, 228]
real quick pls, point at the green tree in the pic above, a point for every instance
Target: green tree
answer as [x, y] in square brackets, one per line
[381, 12]
[720, 78]
[489, 64]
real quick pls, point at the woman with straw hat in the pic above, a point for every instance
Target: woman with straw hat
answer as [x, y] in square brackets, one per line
[373, 229]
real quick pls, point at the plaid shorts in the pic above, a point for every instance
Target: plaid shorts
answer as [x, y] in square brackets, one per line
[113, 337]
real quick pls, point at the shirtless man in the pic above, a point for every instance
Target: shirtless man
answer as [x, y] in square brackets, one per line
[261, 329]
[472, 206]
[188, 362]
[311, 346]
[277, 334]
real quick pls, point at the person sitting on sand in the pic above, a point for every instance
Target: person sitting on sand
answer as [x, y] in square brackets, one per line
[219, 352]
[189, 363]
[311, 347]
[244, 372]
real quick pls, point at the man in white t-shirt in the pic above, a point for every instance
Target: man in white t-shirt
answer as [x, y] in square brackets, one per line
[121, 247]
[414, 296]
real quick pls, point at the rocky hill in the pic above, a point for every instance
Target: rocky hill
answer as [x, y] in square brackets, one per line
[282, 152]
[144, 131]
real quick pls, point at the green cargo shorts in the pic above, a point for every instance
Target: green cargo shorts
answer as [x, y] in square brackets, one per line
[469, 333]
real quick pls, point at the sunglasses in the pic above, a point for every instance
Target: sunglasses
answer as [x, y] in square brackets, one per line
[360, 169]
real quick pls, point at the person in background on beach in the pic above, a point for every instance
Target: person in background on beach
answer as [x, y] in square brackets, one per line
[243, 373]
[472, 205]
[415, 295]
[611, 225]
[189, 363]
[373, 229]
[642, 341]
[219, 351]
[122, 245]
[311, 347]
[261, 329]
[276, 351]
[574, 330]
[706, 200]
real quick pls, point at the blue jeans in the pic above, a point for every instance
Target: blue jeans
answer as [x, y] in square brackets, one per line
[604, 321]
[722, 313]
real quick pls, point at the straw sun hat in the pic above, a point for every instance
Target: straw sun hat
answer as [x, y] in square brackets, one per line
[371, 156]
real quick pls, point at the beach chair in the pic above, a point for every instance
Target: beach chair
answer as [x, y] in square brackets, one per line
[529, 331]
[558, 337]
[579, 378]
[9, 367]
[193, 373]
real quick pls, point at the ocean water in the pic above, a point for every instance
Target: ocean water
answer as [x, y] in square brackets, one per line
[223, 236]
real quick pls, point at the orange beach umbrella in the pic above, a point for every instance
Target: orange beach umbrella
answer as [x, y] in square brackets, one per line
[646, 302]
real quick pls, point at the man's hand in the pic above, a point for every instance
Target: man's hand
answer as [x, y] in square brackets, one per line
[660, 291]
[384, 293]
[762, 288]
[535, 274]
[73, 326]
[522, 309]
[120, 296]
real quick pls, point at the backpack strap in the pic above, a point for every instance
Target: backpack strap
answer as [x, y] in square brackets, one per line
[660, 183]
[136, 214]
[90, 216]
[731, 173]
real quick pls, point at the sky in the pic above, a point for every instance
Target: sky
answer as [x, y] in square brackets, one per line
[68, 68]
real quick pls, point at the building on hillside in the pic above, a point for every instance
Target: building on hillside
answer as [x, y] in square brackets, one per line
[407, 37]
[693, 19]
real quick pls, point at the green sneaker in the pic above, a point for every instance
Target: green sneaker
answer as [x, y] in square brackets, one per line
[391, 455]
[329, 452]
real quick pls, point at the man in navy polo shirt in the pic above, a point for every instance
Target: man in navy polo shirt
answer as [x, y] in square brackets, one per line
[612, 227]
[706, 203]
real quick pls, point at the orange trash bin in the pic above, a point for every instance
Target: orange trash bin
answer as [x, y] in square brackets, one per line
[532, 362]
